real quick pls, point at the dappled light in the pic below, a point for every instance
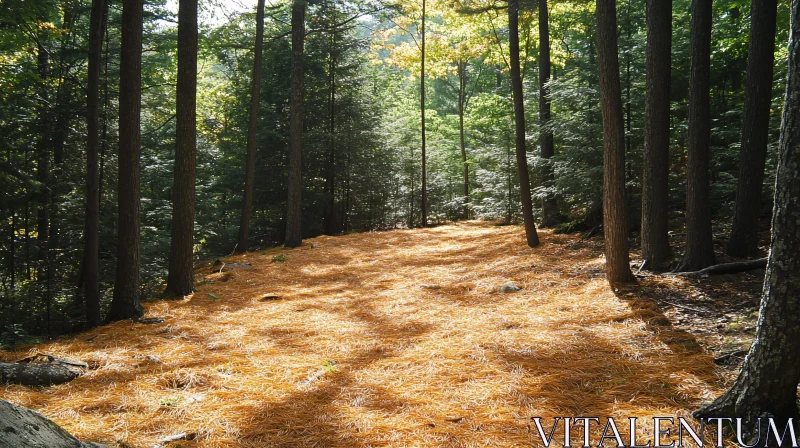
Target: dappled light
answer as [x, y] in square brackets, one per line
[395, 338]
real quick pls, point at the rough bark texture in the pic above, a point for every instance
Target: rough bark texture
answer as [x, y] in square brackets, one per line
[699, 244]
[22, 427]
[550, 213]
[125, 304]
[252, 128]
[655, 173]
[424, 211]
[519, 122]
[91, 259]
[755, 129]
[767, 383]
[294, 204]
[615, 217]
[180, 278]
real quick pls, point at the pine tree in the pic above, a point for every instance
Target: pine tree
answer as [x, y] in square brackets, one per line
[294, 206]
[615, 217]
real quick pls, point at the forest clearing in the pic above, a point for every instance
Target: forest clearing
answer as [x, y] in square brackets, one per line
[397, 338]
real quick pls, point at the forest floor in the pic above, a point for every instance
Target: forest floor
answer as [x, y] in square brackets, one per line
[398, 339]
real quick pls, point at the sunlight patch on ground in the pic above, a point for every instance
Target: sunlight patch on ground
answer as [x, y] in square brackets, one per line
[381, 339]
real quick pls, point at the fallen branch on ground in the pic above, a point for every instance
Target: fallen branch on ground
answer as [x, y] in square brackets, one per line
[725, 268]
[53, 371]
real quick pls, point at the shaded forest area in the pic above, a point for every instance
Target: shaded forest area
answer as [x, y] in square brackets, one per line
[143, 138]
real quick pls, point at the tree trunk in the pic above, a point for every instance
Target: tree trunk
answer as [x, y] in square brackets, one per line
[462, 99]
[424, 210]
[767, 383]
[294, 204]
[330, 217]
[91, 258]
[252, 129]
[23, 427]
[43, 176]
[699, 244]
[125, 303]
[615, 216]
[550, 213]
[655, 173]
[519, 121]
[755, 129]
[180, 279]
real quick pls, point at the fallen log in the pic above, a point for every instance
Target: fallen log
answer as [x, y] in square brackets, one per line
[29, 372]
[726, 268]
[23, 427]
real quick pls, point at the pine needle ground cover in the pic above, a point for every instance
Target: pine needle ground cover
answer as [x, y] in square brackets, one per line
[382, 339]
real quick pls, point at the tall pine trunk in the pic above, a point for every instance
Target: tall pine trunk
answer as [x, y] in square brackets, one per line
[424, 211]
[699, 244]
[550, 213]
[330, 181]
[43, 176]
[462, 100]
[91, 260]
[767, 382]
[252, 130]
[180, 278]
[125, 303]
[294, 204]
[655, 172]
[519, 121]
[755, 129]
[615, 216]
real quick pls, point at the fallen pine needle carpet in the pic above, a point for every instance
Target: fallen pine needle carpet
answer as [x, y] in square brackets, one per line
[395, 339]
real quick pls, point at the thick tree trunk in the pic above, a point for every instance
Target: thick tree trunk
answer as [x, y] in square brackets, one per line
[424, 210]
[125, 303]
[91, 258]
[615, 216]
[23, 427]
[180, 278]
[755, 129]
[519, 122]
[655, 173]
[252, 131]
[550, 213]
[462, 100]
[294, 205]
[767, 383]
[699, 244]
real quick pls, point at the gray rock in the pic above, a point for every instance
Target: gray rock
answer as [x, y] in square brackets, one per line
[510, 287]
[23, 427]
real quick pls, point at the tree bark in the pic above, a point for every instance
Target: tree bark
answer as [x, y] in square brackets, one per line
[125, 303]
[424, 210]
[755, 129]
[294, 204]
[550, 213]
[91, 259]
[330, 217]
[519, 120]
[38, 374]
[462, 99]
[252, 129]
[615, 217]
[180, 278]
[655, 173]
[43, 176]
[699, 244]
[767, 382]
[23, 427]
